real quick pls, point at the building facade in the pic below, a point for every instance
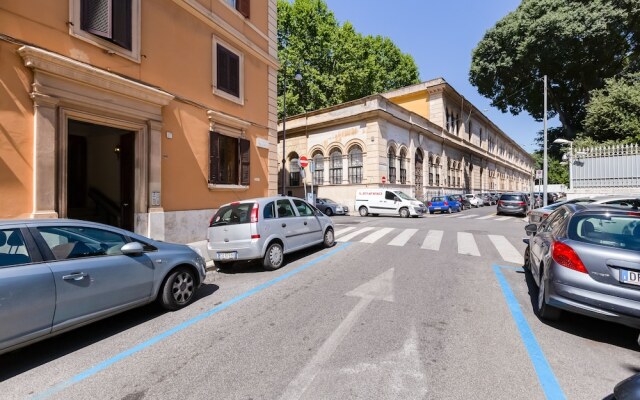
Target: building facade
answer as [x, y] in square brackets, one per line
[424, 139]
[144, 114]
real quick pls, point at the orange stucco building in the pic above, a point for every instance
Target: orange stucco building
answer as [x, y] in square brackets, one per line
[145, 114]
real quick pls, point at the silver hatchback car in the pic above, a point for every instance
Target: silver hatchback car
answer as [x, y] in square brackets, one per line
[58, 274]
[586, 259]
[266, 228]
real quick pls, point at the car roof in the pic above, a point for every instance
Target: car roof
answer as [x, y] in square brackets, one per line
[604, 208]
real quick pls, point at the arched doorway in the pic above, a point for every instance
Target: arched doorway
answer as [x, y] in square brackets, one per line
[418, 173]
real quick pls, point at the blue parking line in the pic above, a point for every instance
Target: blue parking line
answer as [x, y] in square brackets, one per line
[548, 381]
[105, 364]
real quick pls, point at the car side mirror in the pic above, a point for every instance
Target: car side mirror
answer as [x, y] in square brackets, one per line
[531, 229]
[132, 249]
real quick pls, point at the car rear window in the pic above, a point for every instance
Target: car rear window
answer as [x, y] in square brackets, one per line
[618, 231]
[233, 214]
[437, 199]
[511, 197]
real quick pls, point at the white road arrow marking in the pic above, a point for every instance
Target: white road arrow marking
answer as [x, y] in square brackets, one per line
[379, 288]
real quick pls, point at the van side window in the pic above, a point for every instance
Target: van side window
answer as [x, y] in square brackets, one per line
[389, 196]
[269, 211]
[285, 209]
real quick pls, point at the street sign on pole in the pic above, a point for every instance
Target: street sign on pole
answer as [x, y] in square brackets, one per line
[538, 174]
[304, 162]
[384, 180]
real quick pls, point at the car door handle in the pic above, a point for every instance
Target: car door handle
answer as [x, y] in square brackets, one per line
[75, 276]
[284, 225]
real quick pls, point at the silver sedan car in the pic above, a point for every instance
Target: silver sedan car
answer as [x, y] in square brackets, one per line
[59, 274]
[586, 259]
[330, 207]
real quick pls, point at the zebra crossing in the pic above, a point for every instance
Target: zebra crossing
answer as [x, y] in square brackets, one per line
[466, 241]
[490, 217]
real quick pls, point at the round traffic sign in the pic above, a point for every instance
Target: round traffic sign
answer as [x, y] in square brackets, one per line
[384, 179]
[304, 162]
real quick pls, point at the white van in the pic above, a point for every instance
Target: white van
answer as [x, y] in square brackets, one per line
[388, 202]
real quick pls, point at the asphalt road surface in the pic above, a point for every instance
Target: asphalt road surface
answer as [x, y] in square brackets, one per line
[420, 308]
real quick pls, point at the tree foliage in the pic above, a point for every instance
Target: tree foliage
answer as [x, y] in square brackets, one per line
[578, 44]
[614, 111]
[557, 173]
[337, 63]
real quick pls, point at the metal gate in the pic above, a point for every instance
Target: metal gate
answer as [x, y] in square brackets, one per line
[605, 167]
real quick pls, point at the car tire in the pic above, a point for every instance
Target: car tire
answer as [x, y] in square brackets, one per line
[527, 259]
[273, 257]
[404, 212]
[544, 310]
[178, 289]
[363, 211]
[431, 212]
[328, 212]
[329, 238]
[449, 210]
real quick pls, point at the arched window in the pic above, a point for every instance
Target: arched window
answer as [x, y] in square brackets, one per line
[403, 166]
[391, 156]
[470, 130]
[419, 157]
[294, 170]
[335, 167]
[355, 164]
[448, 119]
[431, 169]
[318, 164]
[437, 168]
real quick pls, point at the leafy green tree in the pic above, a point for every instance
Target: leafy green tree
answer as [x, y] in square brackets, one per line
[614, 111]
[557, 172]
[337, 63]
[576, 43]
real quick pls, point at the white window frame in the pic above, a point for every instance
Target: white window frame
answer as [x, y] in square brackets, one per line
[75, 30]
[214, 69]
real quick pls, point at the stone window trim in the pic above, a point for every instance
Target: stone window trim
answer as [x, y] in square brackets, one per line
[75, 30]
[229, 126]
[216, 41]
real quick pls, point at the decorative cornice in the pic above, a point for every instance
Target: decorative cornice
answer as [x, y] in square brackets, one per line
[58, 65]
[216, 117]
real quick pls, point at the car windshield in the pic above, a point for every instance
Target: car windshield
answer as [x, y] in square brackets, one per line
[403, 195]
[233, 214]
[511, 197]
[618, 231]
[329, 201]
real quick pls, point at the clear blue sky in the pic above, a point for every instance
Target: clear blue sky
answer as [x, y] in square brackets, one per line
[440, 35]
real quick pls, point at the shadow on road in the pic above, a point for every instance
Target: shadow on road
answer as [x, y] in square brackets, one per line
[255, 266]
[40, 353]
[586, 327]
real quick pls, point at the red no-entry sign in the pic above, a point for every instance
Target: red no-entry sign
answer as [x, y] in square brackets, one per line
[384, 179]
[304, 162]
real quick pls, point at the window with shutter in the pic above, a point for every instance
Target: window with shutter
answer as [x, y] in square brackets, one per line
[243, 7]
[229, 162]
[228, 73]
[108, 19]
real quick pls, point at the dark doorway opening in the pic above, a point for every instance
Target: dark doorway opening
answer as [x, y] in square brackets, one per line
[100, 174]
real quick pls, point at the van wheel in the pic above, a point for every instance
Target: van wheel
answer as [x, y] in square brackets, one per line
[329, 238]
[274, 257]
[404, 213]
[363, 211]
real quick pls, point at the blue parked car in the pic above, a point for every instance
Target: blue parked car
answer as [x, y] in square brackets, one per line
[443, 204]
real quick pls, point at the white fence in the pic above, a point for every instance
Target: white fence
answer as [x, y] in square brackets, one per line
[606, 167]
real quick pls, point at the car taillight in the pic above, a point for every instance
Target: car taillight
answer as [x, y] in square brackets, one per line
[500, 203]
[254, 213]
[567, 257]
[446, 203]
[522, 203]
[257, 236]
[430, 204]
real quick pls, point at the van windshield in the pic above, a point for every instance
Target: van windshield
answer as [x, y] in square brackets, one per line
[403, 195]
[233, 214]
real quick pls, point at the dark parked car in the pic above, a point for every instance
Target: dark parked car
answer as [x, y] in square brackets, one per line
[513, 203]
[465, 204]
[330, 207]
[58, 274]
[586, 259]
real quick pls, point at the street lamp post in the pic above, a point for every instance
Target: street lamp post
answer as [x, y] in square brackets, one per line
[569, 159]
[297, 77]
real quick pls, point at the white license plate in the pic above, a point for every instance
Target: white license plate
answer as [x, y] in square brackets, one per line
[436, 208]
[630, 277]
[228, 256]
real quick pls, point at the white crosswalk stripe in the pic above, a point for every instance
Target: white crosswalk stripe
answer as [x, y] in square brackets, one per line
[351, 235]
[486, 217]
[433, 240]
[467, 244]
[403, 237]
[503, 218]
[468, 216]
[345, 230]
[373, 237]
[507, 251]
